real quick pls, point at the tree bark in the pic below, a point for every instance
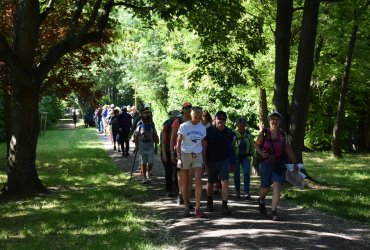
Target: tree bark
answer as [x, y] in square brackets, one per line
[263, 112]
[282, 57]
[305, 66]
[338, 125]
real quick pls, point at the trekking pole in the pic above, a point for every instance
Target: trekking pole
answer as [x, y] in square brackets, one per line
[133, 164]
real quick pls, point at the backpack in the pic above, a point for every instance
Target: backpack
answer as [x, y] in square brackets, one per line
[168, 125]
[147, 133]
[239, 137]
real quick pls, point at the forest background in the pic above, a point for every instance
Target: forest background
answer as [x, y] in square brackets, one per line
[215, 54]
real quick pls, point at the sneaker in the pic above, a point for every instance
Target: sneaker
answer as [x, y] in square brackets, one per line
[145, 181]
[225, 210]
[180, 200]
[238, 195]
[169, 194]
[119, 150]
[262, 207]
[114, 148]
[275, 217]
[199, 213]
[248, 197]
[209, 205]
[186, 213]
[191, 207]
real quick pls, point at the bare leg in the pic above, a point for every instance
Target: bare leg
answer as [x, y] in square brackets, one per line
[198, 186]
[276, 191]
[184, 176]
[225, 190]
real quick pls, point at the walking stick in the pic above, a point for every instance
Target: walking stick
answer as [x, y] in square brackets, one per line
[133, 164]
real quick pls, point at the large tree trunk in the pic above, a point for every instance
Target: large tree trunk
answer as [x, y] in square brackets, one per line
[304, 70]
[338, 126]
[263, 112]
[282, 56]
[22, 175]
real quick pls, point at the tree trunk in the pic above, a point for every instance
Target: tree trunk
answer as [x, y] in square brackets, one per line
[304, 70]
[22, 175]
[338, 125]
[262, 109]
[282, 56]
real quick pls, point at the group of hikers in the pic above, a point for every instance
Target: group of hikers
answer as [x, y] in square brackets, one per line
[194, 144]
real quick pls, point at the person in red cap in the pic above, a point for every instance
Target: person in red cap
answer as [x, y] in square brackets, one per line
[186, 109]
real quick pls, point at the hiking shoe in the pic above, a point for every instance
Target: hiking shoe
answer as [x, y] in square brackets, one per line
[191, 207]
[275, 217]
[225, 210]
[114, 148]
[187, 213]
[199, 213]
[238, 195]
[145, 181]
[262, 207]
[180, 200]
[209, 205]
[149, 180]
[248, 197]
[169, 194]
[119, 150]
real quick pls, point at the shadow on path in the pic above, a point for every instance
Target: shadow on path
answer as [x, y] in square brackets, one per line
[246, 228]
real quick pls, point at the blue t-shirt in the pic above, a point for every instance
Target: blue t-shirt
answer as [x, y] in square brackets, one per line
[219, 144]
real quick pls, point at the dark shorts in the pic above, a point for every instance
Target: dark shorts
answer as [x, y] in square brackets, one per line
[218, 170]
[268, 175]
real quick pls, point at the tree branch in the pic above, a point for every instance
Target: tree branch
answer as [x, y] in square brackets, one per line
[132, 6]
[76, 16]
[93, 16]
[48, 9]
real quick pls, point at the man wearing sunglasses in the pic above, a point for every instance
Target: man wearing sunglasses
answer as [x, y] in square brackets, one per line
[218, 153]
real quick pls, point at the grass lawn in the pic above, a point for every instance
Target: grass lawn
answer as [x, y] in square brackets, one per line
[91, 204]
[344, 185]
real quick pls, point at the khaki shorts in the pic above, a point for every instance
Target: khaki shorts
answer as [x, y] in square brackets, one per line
[191, 160]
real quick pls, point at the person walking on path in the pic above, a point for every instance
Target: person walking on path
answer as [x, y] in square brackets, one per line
[115, 130]
[74, 118]
[125, 124]
[271, 145]
[186, 109]
[218, 154]
[146, 142]
[244, 150]
[169, 167]
[190, 141]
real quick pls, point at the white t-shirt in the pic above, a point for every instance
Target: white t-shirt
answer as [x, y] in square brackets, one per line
[192, 136]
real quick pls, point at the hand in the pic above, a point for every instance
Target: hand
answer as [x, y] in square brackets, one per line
[232, 168]
[296, 168]
[164, 157]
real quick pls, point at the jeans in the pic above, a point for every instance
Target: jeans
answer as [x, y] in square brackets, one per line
[246, 165]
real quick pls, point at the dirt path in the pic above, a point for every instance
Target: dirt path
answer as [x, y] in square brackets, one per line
[245, 228]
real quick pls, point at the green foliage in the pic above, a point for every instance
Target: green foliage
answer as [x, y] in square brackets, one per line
[2, 121]
[54, 108]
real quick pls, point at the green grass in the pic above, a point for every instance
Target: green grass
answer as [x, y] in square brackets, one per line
[344, 185]
[92, 205]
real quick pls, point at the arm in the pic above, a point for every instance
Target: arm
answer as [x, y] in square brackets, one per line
[291, 156]
[178, 148]
[173, 142]
[163, 145]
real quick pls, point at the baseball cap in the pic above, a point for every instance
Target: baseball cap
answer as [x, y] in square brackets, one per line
[241, 120]
[186, 104]
[276, 114]
[220, 114]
